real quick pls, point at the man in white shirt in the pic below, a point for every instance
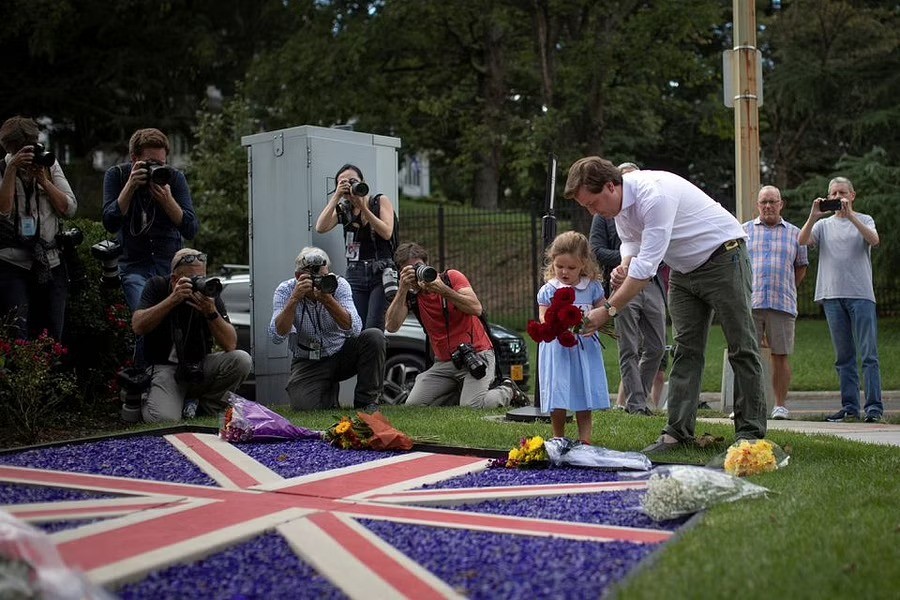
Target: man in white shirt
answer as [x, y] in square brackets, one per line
[663, 217]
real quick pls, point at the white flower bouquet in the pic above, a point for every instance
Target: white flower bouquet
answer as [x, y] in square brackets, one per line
[675, 491]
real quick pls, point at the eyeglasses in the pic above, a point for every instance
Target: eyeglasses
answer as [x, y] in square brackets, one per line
[189, 259]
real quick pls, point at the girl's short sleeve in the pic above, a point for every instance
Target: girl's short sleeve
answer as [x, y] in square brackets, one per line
[545, 294]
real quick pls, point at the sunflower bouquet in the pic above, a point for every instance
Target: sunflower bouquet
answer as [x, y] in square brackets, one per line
[750, 458]
[366, 432]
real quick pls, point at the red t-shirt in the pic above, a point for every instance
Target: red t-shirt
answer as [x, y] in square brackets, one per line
[464, 328]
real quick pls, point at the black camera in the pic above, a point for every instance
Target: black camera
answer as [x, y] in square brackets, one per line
[358, 188]
[426, 273]
[67, 243]
[465, 356]
[208, 286]
[108, 253]
[133, 381]
[830, 204]
[390, 282]
[158, 173]
[43, 157]
[325, 283]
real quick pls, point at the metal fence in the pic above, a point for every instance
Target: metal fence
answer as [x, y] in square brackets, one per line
[501, 254]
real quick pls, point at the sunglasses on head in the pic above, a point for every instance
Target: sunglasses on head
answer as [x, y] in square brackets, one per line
[190, 259]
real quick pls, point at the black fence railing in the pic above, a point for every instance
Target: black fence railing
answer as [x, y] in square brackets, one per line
[501, 252]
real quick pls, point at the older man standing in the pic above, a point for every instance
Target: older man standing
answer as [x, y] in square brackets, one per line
[661, 216]
[779, 265]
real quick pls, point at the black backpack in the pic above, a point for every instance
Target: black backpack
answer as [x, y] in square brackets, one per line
[395, 234]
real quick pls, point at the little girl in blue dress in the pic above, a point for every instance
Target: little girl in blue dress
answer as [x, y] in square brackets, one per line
[572, 378]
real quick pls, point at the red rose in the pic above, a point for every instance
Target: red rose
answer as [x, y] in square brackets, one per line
[567, 339]
[548, 333]
[564, 296]
[551, 317]
[570, 316]
[534, 330]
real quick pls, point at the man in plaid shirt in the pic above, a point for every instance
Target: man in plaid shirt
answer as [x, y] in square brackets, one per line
[779, 265]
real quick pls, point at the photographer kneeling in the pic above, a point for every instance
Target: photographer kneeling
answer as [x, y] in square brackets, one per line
[180, 317]
[315, 312]
[450, 313]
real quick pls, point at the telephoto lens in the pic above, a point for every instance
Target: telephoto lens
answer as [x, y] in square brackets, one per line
[43, 157]
[208, 286]
[159, 174]
[359, 188]
[390, 282]
[325, 283]
[426, 273]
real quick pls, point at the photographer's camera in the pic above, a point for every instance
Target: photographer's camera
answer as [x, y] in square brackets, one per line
[358, 188]
[208, 286]
[158, 173]
[43, 157]
[465, 356]
[67, 243]
[425, 273]
[108, 253]
[133, 382]
[829, 204]
[390, 282]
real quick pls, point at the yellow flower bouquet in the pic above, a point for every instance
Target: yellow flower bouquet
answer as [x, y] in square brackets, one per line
[529, 454]
[750, 458]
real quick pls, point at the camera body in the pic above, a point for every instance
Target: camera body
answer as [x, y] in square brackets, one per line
[324, 283]
[43, 157]
[465, 356]
[345, 211]
[830, 204]
[390, 282]
[426, 273]
[208, 286]
[158, 173]
[67, 243]
[108, 253]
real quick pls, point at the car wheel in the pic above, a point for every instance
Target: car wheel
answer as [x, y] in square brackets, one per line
[400, 371]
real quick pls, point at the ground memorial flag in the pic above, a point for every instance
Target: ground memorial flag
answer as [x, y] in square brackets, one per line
[134, 527]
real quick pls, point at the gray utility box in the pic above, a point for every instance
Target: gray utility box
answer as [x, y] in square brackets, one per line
[291, 176]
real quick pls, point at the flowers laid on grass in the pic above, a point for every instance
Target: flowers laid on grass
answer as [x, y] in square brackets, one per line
[529, 454]
[562, 321]
[246, 420]
[750, 458]
[366, 432]
[676, 491]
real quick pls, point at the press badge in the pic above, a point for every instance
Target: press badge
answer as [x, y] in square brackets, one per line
[352, 247]
[315, 352]
[27, 226]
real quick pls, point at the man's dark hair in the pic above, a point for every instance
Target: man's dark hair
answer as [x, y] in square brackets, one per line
[408, 251]
[591, 173]
[18, 132]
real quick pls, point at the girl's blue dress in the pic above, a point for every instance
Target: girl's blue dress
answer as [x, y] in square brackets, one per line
[573, 378]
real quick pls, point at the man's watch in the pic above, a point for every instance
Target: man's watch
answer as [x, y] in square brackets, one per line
[212, 316]
[610, 309]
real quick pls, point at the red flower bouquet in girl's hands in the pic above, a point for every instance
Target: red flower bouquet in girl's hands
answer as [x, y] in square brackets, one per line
[562, 319]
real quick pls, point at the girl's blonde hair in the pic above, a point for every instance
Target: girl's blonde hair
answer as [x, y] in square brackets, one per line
[574, 243]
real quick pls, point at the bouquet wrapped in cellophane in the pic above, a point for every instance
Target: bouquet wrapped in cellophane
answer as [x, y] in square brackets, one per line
[366, 432]
[247, 421]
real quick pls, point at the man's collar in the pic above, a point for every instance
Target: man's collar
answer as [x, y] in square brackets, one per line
[759, 221]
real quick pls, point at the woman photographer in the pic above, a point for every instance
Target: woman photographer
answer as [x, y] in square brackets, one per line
[34, 197]
[369, 240]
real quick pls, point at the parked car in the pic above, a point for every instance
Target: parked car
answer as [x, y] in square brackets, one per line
[407, 354]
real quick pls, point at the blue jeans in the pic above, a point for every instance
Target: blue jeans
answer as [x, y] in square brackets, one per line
[368, 294]
[135, 274]
[853, 323]
[34, 306]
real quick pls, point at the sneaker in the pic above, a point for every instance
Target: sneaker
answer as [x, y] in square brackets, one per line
[731, 416]
[662, 445]
[519, 398]
[618, 407]
[873, 418]
[704, 406]
[842, 415]
[781, 413]
[189, 411]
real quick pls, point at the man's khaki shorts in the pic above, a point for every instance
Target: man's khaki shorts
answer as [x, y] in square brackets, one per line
[775, 330]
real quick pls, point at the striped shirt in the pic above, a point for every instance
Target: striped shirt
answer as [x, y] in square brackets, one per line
[775, 253]
[313, 325]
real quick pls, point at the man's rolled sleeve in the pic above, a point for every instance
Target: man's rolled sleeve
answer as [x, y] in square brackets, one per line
[279, 301]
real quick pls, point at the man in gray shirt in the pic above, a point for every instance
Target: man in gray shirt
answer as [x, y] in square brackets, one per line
[844, 288]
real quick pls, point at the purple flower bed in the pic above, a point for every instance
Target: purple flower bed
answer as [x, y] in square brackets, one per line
[54, 526]
[480, 564]
[264, 567]
[497, 566]
[139, 457]
[303, 457]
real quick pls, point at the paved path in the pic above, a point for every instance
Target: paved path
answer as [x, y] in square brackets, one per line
[872, 433]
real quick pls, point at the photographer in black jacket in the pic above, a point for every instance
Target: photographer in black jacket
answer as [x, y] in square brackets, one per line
[180, 317]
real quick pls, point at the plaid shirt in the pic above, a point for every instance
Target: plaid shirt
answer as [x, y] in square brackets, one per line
[313, 325]
[775, 253]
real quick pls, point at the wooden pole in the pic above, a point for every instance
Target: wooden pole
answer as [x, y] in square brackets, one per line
[746, 109]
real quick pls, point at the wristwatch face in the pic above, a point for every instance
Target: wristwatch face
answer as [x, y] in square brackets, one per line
[610, 309]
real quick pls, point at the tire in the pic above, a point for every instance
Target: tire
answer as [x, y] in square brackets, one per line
[400, 371]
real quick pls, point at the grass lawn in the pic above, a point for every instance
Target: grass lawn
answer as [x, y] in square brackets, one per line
[812, 362]
[830, 530]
